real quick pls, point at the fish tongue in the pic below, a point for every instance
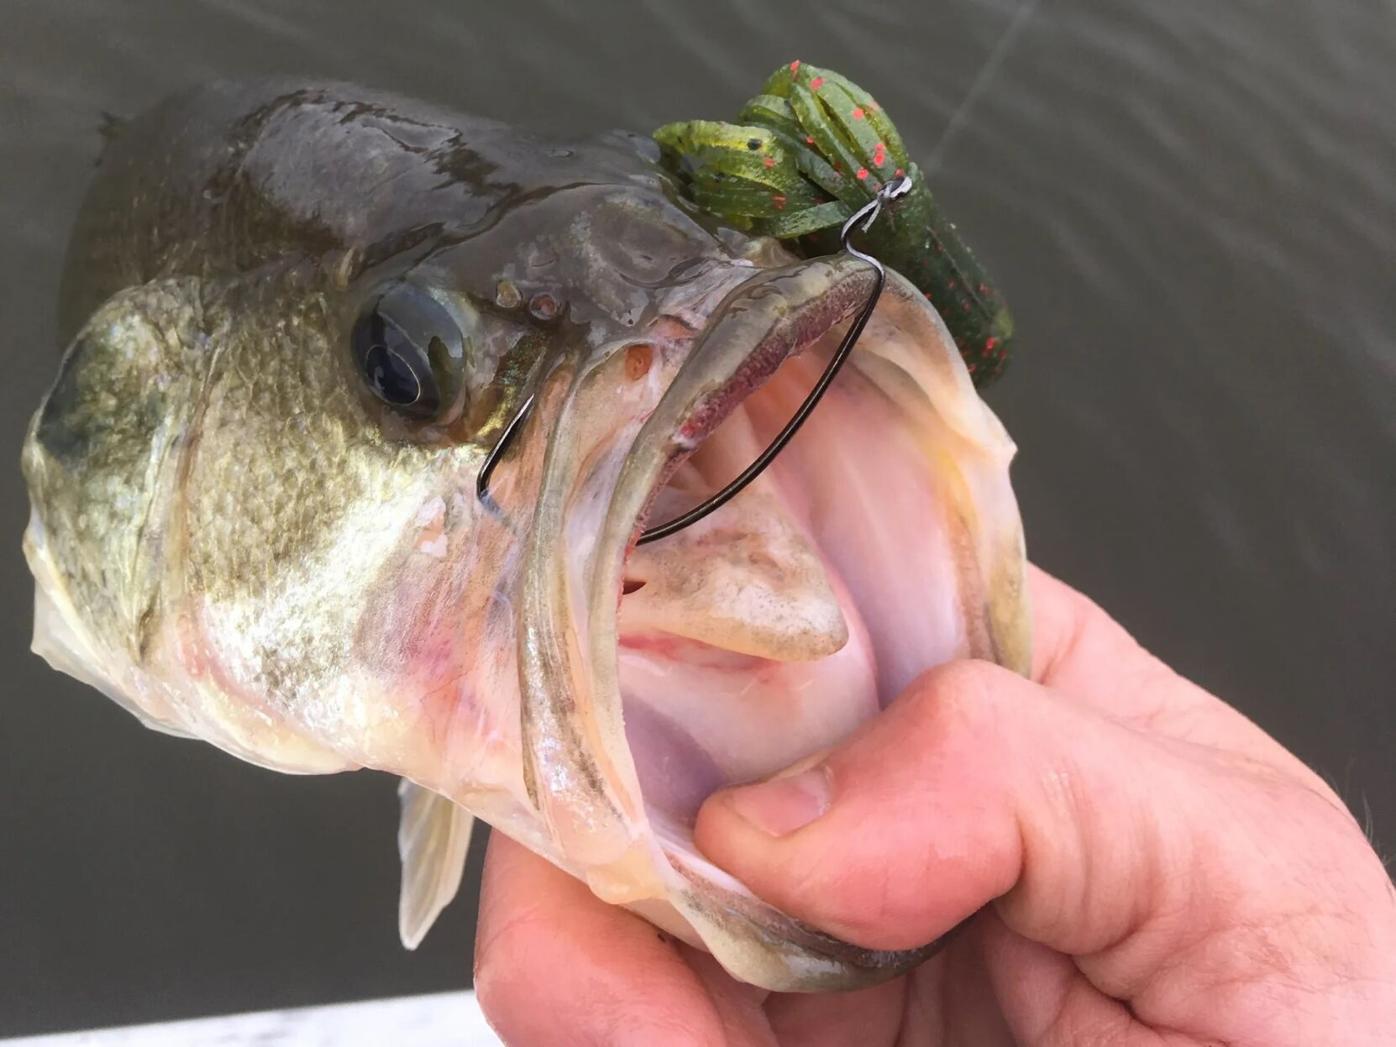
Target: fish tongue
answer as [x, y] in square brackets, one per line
[745, 579]
[740, 653]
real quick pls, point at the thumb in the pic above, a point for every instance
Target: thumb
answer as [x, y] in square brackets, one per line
[975, 784]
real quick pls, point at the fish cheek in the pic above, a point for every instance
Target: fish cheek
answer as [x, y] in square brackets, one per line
[291, 501]
[437, 632]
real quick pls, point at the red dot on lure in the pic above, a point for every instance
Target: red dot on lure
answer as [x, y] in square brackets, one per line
[862, 173]
[770, 161]
[816, 83]
[795, 66]
[880, 155]
[858, 113]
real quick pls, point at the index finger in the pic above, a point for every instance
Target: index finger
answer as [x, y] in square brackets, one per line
[554, 964]
[1083, 655]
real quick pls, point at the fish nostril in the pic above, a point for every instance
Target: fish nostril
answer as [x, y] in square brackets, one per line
[638, 359]
[544, 306]
[631, 585]
[507, 295]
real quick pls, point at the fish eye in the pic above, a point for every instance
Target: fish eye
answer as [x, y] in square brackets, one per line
[409, 352]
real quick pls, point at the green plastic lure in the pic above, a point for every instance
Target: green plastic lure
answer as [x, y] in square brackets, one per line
[805, 154]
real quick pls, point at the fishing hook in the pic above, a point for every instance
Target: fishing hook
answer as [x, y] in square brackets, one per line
[482, 482]
[867, 214]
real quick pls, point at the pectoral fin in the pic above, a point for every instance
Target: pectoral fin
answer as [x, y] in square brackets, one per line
[432, 840]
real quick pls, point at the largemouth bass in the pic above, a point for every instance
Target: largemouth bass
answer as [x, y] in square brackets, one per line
[298, 318]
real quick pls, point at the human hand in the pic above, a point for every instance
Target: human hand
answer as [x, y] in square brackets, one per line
[1143, 864]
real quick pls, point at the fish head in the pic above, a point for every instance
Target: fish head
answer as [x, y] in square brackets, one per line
[255, 522]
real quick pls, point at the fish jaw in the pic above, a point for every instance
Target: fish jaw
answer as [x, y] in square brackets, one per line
[607, 677]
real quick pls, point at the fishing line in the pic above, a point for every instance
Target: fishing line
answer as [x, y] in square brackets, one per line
[985, 76]
[865, 215]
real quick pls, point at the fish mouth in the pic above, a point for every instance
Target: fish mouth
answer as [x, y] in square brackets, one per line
[883, 540]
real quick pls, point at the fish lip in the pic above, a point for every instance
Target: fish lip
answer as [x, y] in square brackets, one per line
[849, 283]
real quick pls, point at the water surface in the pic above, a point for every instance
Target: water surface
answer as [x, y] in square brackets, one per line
[1191, 206]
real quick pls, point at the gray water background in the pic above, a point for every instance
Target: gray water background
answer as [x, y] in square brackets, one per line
[1191, 206]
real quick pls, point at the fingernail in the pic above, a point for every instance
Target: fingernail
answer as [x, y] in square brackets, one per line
[781, 805]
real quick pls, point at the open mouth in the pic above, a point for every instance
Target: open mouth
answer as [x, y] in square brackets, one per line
[740, 645]
[883, 541]
[769, 630]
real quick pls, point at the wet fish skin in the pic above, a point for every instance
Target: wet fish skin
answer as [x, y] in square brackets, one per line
[236, 540]
[218, 289]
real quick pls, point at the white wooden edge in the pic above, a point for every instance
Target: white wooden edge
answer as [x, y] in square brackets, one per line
[451, 1018]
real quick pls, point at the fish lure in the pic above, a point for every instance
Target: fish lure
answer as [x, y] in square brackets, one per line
[807, 153]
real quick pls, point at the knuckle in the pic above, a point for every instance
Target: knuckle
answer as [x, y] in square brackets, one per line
[1073, 1028]
[875, 898]
[894, 911]
[960, 682]
[959, 695]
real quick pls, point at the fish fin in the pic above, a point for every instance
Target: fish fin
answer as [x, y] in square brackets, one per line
[432, 840]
